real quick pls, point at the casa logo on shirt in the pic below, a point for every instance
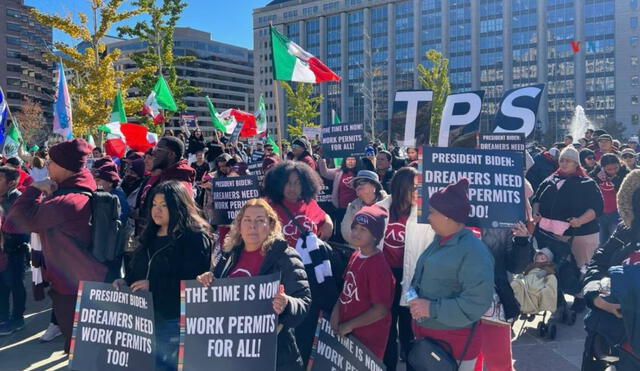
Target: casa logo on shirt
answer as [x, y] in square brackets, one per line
[394, 237]
[350, 289]
[347, 181]
[362, 219]
[291, 229]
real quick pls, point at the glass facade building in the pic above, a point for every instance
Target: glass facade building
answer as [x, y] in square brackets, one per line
[587, 52]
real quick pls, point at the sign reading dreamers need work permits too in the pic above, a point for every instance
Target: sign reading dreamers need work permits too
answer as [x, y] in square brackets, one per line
[229, 325]
[112, 329]
[496, 183]
[334, 352]
[343, 140]
[229, 196]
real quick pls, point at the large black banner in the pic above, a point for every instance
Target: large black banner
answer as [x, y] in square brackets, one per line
[343, 140]
[517, 110]
[411, 120]
[112, 329]
[229, 196]
[496, 183]
[334, 352]
[460, 122]
[230, 325]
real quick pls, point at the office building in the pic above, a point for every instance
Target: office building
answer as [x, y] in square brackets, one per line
[492, 45]
[224, 72]
[24, 71]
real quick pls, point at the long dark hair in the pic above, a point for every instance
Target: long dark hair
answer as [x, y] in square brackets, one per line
[401, 192]
[184, 215]
[278, 176]
[355, 170]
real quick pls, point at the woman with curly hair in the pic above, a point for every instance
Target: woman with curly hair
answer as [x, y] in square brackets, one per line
[255, 246]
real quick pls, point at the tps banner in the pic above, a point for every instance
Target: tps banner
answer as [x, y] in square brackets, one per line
[411, 120]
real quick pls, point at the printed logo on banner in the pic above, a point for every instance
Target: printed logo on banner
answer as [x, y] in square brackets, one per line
[517, 110]
[229, 196]
[496, 183]
[411, 120]
[343, 140]
[112, 329]
[229, 325]
[334, 352]
[460, 122]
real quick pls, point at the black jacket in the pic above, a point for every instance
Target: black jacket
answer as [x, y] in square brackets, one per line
[621, 243]
[181, 259]
[543, 166]
[510, 255]
[195, 145]
[616, 180]
[576, 195]
[13, 242]
[284, 259]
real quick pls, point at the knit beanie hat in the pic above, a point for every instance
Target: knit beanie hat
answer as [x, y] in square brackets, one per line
[586, 152]
[452, 201]
[102, 161]
[107, 173]
[137, 166]
[373, 218]
[71, 155]
[546, 252]
[570, 153]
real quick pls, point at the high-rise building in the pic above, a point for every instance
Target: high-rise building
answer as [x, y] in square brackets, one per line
[224, 72]
[24, 71]
[492, 45]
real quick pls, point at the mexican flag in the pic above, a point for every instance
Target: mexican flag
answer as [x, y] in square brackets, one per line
[261, 116]
[160, 98]
[232, 117]
[120, 136]
[292, 63]
[117, 112]
[217, 123]
[90, 141]
[12, 141]
[335, 119]
[272, 142]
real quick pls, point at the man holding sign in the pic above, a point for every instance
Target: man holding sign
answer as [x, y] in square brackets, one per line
[255, 255]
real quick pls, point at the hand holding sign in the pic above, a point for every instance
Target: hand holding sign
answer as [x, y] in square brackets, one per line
[280, 301]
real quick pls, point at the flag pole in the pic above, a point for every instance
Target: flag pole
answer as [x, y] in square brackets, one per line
[277, 102]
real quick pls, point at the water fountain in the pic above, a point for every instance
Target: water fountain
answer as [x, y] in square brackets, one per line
[579, 123]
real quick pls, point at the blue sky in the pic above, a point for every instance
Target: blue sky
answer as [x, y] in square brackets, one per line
[228, 21]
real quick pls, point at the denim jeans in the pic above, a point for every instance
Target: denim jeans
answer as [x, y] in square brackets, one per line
[167, 342]
[12, 284]
[608, 223]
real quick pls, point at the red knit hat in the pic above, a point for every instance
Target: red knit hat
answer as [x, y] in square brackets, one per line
[452, 201]
[102, 161]
[107, 173]
[71, 155]
[373, 218]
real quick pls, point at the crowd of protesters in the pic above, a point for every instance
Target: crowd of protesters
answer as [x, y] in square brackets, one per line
[391, 279]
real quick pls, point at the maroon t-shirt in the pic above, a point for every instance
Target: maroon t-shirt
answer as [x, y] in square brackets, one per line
[346, 193]
[394, 238]
[248, 265]
[368, 281]
[309, 215]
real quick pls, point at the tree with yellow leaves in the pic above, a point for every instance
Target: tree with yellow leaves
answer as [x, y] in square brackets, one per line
[302, 107]
[93, 80]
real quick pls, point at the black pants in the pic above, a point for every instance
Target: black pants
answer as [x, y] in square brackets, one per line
[400, 325]
[12, 285]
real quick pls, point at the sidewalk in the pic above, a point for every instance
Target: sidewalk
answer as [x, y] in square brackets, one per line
[23, 351]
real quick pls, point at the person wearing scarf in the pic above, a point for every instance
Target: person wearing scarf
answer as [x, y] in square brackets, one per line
[568, 204]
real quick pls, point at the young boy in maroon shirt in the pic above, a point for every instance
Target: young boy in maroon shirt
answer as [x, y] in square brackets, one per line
[363, 308]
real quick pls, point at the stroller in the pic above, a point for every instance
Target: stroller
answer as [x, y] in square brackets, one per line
[566, 281]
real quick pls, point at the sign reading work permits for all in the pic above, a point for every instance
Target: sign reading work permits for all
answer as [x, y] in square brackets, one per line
[343, 140]
[229, 196]
[229, 325]
[496, 183]
[255, 169]
[112, 329]
[333, 352]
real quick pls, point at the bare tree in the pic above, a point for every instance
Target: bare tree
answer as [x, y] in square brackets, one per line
[31, 122]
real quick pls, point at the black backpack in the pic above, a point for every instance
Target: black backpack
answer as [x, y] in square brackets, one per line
[107, 232]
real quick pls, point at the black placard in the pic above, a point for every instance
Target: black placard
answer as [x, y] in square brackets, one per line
[112, 329]
[334, 352]
[255, 169]
[411, 120]
[343, 140]
[230, 325]
[230, 194]
[496, 183]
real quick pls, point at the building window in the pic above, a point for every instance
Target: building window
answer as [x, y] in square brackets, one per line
[634, 40]
[14, 27]
[13, 13]
[13, 40]
[633, 22]
[13, 82]
[635, 80]
[635, 60]
[634, 4]
[634, 99]
[635, 119]
[13, 54]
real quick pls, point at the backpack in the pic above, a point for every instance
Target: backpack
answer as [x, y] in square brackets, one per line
[107, 232]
